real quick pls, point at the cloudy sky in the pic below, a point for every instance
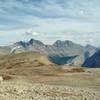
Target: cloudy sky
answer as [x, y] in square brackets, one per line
[50, 20]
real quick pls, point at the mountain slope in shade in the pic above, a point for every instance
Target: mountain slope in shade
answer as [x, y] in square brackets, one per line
[93, 61]
[89, 50]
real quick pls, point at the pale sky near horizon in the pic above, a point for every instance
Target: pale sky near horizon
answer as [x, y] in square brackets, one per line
[50, 20]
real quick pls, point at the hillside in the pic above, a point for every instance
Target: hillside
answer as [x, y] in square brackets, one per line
[29, 63]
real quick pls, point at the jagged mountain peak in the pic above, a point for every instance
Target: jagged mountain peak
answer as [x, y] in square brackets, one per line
[28, 43]
[60, 43]
[31, 41]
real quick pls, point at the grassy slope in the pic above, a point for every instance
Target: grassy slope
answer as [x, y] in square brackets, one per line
[29, 63]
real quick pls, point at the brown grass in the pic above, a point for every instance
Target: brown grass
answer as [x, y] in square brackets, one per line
[76, 70]
[7, 77]
[40, 64]
[9, 67]
[88, 78]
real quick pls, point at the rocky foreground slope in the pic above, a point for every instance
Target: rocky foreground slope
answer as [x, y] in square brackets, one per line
[23, 90]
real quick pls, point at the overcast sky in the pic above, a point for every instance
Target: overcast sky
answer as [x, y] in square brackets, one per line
[50, 20]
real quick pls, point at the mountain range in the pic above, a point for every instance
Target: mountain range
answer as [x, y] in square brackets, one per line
[60, 52]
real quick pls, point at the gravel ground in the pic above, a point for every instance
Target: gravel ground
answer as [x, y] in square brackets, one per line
[22, 90]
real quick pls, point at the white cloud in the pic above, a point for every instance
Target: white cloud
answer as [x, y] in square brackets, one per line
[31, 32]
[82, 12]
[50, 17]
